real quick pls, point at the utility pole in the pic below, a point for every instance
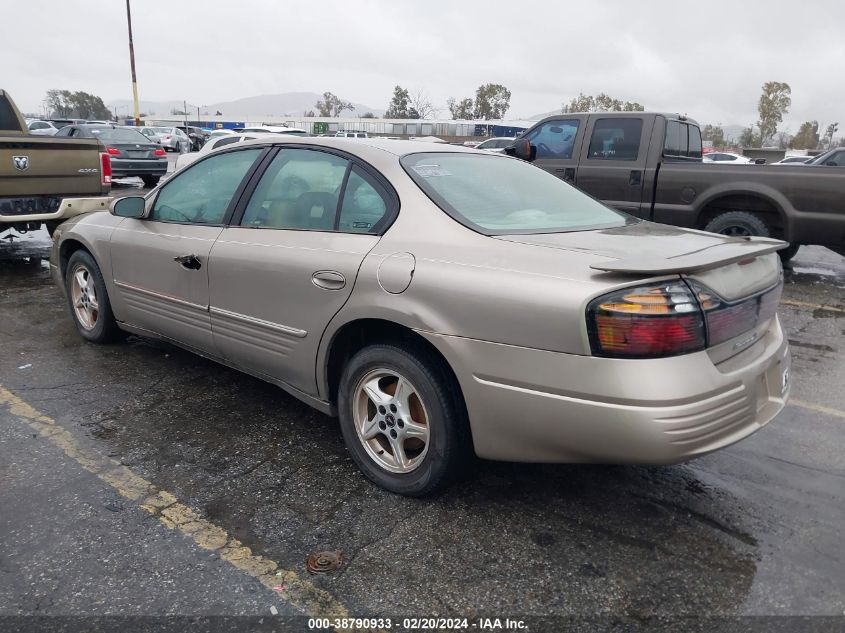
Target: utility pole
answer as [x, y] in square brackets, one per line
[132, 64]
[185, 111]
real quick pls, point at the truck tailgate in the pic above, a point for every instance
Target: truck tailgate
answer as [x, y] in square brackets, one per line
[33, 165]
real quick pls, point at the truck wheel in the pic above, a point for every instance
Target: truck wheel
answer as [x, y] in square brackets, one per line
[401, 420]
[51, 227]
[738, 223]
[89, 301]
[789, 252]
[150, 181]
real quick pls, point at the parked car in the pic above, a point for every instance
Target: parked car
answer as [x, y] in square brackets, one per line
[650, 165]
[793, 160]
[171, 138]
[132, 153]
[215, 143]
[832, 158]
[197, 135]
[60, 123]
[496, 145]
[99, 123]
[221, 132]
[727, 158]
[45, 179]
[350, 134]
[41, 128]
[151, 134]
[274, 129]
[359, 276]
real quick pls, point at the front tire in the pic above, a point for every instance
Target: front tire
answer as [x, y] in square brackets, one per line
[738, 224]
[89, 301]
[402, 419]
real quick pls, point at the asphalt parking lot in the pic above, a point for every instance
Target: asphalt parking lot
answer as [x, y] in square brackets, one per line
[146, 480]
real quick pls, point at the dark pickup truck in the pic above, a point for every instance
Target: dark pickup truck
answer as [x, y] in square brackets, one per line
[649, 165]
[44, 179]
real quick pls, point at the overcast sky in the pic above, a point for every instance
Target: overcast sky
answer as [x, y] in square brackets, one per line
[707, 59]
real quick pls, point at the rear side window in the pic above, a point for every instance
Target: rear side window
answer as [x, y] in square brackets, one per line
[364, 204]
[553, 139]
[8, 119]
[682, 140]
[201, 194]
[616, 139]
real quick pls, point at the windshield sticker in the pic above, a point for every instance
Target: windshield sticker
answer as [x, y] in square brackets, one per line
[427, 171]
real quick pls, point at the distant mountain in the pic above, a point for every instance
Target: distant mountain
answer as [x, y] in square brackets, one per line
[249, 108]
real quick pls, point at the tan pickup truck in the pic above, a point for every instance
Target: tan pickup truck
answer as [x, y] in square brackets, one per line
[45, 180]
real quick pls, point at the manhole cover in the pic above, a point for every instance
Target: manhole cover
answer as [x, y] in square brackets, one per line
[323, 562]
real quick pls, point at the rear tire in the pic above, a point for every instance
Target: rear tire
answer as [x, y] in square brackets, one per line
[89, 300]
[788, 253]
[738, 224]
[150, 181]
[428, 405]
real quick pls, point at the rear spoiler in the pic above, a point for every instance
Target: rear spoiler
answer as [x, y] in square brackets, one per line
[736, 250]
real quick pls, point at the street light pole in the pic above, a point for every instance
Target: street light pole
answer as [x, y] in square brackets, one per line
[132, 65]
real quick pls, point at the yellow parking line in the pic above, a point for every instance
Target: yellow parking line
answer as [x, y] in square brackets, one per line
[298, 592]
[815, 306]
[819, 408]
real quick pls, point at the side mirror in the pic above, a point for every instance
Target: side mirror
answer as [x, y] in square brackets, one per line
[760, 161]
[523, 149]
[128, 207]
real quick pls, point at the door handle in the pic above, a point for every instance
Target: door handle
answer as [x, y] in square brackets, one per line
[636, 177]
[191, 262]
[328, 280]
[567, 174]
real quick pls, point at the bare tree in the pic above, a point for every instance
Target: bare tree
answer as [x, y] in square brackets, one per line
[420, 103]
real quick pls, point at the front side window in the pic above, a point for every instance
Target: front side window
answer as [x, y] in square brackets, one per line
[299, 190]
[201, 194]
[555, 139]
[617, 139]
[495, 195]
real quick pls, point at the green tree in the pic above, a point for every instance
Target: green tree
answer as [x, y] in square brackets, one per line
[749, 138]
[368, 115]
[460, 110]
[491, 102]
[773, 104]
[713, 133]
[399, 104]
[807, 137]
[601, 103]
[332, 105]
[64, 103]
[829, 132]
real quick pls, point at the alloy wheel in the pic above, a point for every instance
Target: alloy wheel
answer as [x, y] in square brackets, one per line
[83, 294]
[391, 420]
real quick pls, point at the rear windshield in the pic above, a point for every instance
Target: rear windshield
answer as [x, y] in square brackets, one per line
[118, 135]
[496, 195]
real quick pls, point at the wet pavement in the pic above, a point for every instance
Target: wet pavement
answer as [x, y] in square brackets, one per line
[756, 529]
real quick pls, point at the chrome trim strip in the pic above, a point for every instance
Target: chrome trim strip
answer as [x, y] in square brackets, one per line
[158, 295]
[261, 322]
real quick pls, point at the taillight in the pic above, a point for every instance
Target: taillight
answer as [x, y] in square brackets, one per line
[113, 151]
[672, 318]
[646, 322]
[105, 169]
[726, 320]
[160, 152]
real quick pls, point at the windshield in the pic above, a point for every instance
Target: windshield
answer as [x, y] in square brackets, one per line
[118, 135]
[495, 195]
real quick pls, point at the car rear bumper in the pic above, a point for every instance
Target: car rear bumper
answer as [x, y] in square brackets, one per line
[123, 167]
[539, 406]
[67, 208]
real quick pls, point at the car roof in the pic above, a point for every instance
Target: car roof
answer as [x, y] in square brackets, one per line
[355, 146]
